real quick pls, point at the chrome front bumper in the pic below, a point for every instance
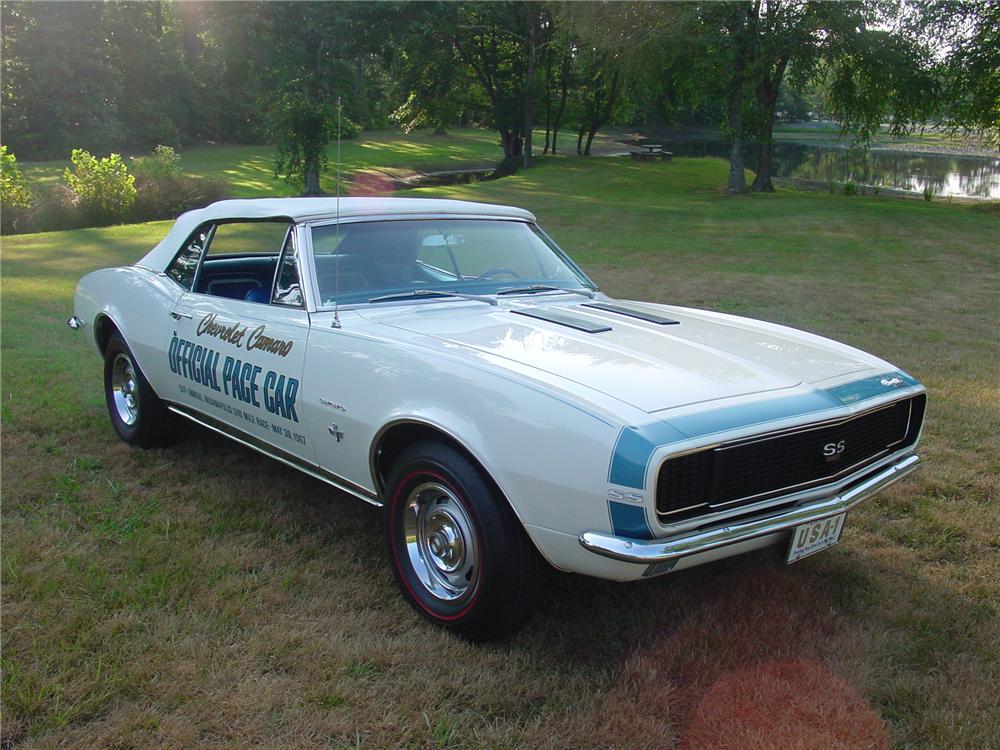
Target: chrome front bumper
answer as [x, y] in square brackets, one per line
[655, 552]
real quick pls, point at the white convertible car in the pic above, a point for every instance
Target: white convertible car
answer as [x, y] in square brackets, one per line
[446, 361]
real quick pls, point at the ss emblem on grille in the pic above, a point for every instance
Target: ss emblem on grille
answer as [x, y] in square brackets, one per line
[832, 451]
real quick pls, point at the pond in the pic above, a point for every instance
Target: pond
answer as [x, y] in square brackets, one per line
[945, 174]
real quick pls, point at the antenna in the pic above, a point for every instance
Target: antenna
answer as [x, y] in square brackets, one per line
[336, 259]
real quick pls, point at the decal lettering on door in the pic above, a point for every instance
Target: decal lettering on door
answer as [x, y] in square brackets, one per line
[235, 334]
[241, 380]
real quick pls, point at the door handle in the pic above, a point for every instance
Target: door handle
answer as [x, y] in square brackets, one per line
[178, 315]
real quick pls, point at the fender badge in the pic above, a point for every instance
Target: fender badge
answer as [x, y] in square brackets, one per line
[623, 496]
[335, 431]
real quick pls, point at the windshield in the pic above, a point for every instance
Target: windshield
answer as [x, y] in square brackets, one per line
[377, 259]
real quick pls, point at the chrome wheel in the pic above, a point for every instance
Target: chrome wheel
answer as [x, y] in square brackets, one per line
[125, 389]
[441, 542]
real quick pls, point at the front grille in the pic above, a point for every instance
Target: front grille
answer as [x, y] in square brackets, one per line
[737, 474]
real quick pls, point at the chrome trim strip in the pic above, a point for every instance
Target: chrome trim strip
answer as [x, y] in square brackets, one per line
[778, 491]
[333, 480]
[698, 541]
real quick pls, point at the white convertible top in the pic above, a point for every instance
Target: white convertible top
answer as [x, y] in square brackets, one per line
[304, 209]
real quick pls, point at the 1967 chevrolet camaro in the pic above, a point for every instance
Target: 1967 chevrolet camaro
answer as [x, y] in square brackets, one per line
[447, 362]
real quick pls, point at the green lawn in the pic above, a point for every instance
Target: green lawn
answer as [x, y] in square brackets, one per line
[201, 596]
[249, 170]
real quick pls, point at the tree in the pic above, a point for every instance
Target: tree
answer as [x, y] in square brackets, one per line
[56, 79]
[878, 75]
[491, 38]
[309, 54]
[873, 70]
[736, 23]
[599, 93]
[970, 73]
[430, 81]
[619, 51]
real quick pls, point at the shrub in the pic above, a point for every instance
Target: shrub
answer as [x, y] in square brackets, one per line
[103, 187]
[101, 191]
[166, 198]
[15, 196]
[928, 193]
[850, 188]
[14, 192]
[163, 163]
[55, 208]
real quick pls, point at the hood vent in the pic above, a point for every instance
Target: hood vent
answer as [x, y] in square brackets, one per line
[632, 313]
[564, 319]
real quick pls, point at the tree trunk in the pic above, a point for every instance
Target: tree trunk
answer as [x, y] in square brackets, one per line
[602, 117]
[737, 183]
[563, 88]
[531, 21]
[548, 103]
[311, 169]
[512, 144]
[737, 179]
[767, 97]
[762, 181]
[579, 140]
[742, 30]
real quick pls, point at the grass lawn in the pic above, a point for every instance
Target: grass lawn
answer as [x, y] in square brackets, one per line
[249, 170]
[202, 596]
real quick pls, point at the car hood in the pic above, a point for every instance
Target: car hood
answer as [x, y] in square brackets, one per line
[703, 357]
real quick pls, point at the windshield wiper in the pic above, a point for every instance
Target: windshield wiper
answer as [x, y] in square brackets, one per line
[534, 288]
[434, 293]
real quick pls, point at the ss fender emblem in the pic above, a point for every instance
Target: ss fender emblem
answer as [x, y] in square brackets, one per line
[832, 451]
[627, 497]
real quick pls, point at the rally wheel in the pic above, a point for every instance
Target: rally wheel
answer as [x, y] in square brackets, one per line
[137, 413]
[459, 555]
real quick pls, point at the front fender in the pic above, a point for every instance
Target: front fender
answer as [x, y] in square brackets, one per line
[138, 303]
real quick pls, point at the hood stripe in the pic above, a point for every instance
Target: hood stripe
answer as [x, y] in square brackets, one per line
[635, 445]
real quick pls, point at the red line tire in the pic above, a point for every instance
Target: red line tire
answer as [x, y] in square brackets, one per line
[137, 413]
[458, 553]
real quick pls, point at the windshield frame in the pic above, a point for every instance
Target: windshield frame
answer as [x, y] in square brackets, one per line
[585, 282]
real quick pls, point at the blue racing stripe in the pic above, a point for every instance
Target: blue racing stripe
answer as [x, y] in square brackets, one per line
[635, 445]
[629, 520]
[876, 385]
[634, 448]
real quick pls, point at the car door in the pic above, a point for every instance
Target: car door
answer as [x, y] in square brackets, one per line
[237, 358]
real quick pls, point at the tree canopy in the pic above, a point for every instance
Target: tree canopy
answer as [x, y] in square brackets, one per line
[124, 75]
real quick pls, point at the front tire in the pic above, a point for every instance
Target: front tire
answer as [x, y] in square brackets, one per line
[137, 413]
[458, 553]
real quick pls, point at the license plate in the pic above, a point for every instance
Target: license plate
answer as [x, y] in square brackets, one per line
[813, 537]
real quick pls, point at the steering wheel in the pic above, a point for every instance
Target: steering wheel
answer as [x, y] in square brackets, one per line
[486, 275]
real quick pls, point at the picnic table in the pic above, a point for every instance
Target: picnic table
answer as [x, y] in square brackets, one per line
[652, 151]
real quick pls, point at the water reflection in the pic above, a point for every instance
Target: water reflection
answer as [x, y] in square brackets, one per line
[944, 174]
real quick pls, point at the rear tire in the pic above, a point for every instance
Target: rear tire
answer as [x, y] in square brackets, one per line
[458, 553]
[138, 415]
